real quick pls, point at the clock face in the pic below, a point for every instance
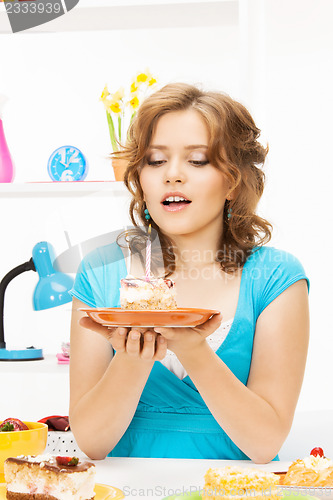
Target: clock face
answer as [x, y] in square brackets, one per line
[67, 163]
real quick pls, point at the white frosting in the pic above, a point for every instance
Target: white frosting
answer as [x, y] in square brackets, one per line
[239, 472]
[317, 463]
[132, 294]
[155, 290]
[47, 457]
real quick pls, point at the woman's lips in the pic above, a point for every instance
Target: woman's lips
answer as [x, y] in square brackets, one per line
[175, 206]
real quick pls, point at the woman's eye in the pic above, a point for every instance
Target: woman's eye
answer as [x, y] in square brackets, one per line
[155, 163]
[199, 162]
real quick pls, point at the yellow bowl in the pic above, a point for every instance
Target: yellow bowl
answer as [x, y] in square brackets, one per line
[30, 442]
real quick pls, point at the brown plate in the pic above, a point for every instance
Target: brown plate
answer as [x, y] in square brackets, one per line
[180, 317]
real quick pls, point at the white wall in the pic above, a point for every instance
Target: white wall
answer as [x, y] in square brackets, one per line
[298, 105]
[291, 92]
[279, 65]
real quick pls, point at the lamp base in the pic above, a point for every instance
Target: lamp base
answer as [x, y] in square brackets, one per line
[28, 354]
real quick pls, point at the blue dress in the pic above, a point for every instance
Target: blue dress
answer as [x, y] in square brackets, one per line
[172, 420]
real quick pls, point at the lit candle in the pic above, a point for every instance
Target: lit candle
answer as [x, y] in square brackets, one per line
[148, 254]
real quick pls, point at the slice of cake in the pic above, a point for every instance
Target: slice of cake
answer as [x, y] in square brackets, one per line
[46, 477]
[157, 293]
[311, 471]
[238, 482]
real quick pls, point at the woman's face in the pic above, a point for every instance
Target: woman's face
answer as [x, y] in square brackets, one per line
[177, 167]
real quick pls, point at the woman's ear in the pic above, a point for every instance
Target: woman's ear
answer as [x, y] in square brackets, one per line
[233, 192]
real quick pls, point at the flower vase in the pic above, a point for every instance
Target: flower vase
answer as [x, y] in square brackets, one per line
[119, 167]
[6, 162]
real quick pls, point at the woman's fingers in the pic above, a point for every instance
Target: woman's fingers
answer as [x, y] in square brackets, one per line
[147, 345]
[161, 347]
[141, 342]
[118, 339]
[148, 349]
[167, 333]
[204, 330]
[133, 343]
[210, 325]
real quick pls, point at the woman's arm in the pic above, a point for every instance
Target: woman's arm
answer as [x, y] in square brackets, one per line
[257, 417]
[105, 389]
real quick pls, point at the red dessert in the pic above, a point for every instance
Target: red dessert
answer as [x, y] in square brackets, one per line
[317, 452]
[13, 424]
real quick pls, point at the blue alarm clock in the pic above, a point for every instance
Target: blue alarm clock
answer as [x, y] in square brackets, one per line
[67, 163]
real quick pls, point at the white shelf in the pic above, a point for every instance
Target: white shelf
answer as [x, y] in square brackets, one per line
[47, 365]
[35, 189]
[140, 3]
[102, 15]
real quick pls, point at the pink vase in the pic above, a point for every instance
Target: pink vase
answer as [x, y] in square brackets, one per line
[6, 162]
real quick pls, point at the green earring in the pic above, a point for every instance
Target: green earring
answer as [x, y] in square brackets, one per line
[147, 214]
[229, 213]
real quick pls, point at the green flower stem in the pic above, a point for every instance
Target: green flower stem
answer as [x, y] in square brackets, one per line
[119, 127]
[131, 119]
[112, 132]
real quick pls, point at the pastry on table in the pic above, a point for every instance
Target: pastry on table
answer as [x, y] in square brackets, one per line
[312, 471]
[46, 477]
[234, 482]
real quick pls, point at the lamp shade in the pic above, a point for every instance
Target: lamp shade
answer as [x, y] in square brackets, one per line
[53, 286]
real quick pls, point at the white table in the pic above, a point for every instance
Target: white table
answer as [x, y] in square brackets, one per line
[156, 478]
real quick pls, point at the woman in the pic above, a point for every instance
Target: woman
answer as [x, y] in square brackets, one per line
[224, 389]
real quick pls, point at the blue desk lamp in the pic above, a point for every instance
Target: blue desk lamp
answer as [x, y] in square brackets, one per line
[51, 291]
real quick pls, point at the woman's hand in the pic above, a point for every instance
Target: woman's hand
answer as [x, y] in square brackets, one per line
[140, 343]
[184, 340]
